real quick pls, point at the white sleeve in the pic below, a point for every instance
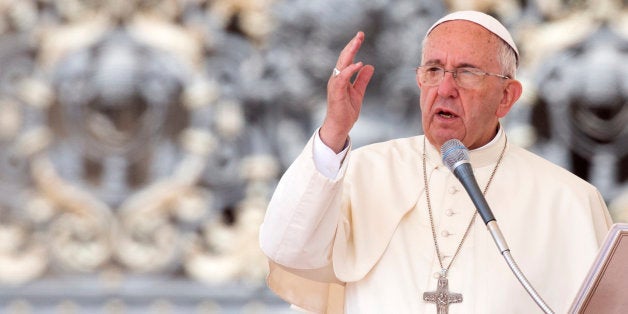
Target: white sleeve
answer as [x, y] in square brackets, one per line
[325, 159]
[302, 215]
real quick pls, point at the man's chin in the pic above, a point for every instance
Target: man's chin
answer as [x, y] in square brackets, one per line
[440, 138]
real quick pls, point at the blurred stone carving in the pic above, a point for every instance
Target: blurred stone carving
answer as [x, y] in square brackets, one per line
[22, 255]
[117, 153]
[585, 91]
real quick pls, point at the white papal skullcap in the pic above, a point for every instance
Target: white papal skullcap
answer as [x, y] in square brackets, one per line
[484, 20]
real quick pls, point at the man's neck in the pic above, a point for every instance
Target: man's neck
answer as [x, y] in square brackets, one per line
[494, 140]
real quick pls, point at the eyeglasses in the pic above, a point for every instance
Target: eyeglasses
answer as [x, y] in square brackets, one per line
[465, 77]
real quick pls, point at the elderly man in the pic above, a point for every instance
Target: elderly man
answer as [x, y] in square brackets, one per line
[388, 229]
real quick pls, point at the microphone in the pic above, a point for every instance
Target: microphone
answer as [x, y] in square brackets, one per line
[456, 157]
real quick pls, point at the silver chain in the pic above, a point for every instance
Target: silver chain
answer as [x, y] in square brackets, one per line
[429, 209]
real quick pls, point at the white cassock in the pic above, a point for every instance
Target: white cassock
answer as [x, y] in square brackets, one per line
[362, 242]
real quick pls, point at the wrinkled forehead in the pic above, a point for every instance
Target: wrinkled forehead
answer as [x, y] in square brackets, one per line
[486, 21]
[461, 43]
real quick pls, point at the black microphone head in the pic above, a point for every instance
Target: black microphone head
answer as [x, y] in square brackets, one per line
[453, 152]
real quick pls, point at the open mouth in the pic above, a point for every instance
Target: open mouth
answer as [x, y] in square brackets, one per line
[446, 114]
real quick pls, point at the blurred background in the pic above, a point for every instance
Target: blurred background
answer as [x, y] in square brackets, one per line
[140, 140]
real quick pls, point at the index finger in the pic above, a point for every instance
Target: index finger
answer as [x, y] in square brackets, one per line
[349, 52]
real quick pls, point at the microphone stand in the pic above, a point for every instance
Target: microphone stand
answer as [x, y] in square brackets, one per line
[455, 156]
[500, 241]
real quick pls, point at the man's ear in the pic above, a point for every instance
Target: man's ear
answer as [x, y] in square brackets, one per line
[512, 92]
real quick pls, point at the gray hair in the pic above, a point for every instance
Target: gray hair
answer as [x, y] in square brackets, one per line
[507, 59]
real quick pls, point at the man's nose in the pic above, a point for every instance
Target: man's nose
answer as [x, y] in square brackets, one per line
[448, 86]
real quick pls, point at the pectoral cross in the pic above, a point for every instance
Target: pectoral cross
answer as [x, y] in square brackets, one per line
[442, 297]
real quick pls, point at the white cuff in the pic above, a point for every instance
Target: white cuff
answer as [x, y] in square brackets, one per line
[326, 160]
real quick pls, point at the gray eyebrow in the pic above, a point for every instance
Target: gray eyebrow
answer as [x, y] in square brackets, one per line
[462, 65]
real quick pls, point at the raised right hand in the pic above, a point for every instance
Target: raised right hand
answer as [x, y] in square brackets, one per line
[344, 98]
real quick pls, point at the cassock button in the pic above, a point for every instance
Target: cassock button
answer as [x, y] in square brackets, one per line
[445, 233]
[446, 258]
[450, 212]
[453, 190]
